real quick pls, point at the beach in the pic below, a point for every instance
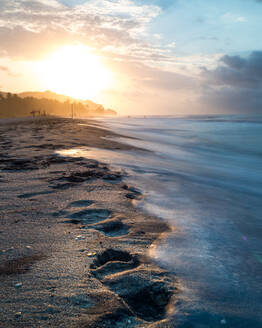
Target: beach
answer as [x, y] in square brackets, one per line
[74, 248]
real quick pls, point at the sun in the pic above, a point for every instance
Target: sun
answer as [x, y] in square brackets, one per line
[75, 72]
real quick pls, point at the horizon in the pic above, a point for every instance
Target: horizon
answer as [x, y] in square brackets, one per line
[137, 57]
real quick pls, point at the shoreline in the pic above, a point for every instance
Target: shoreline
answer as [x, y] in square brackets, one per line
[74, 249]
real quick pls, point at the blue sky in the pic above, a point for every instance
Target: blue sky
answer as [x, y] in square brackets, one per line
[205, 26]
[177, 50]
[211, 26]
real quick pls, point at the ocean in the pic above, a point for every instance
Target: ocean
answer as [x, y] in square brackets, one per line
[203, 174]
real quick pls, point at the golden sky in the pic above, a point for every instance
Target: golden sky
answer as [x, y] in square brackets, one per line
[138, 57]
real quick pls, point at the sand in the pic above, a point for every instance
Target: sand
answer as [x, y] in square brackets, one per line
[74, 248]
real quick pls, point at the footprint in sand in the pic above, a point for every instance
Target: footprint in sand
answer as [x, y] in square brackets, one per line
[78, 203]
[81, 203]
[147, 292]
[89, 216]
[112, 261]
[111, 228]
[33, 194]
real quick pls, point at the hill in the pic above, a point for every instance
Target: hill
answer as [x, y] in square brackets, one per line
[47, 95]
[25, 103]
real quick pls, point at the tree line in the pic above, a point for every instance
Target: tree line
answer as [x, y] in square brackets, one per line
[11, 105]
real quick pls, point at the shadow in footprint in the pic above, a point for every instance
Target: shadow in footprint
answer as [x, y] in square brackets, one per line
[59, 214]
[89, 216]
[81, 203]
[119, 318]
[112, 261]
[33, 194]
[147, 293]
[63, 186]
[111, 255]
[112, 228]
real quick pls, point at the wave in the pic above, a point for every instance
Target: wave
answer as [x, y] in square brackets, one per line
[204, 176]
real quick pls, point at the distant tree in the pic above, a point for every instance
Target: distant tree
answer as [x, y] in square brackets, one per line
[12, 105]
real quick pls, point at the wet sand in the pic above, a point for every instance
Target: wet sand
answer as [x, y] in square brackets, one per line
[73, 247]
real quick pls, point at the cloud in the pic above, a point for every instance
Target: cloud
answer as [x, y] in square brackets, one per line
[233, 18]
[145, 90]
[117, 30]
[156, 79]
[235, 85]
[21, 43]
[37, 25]
[241, 19]
[238, 72]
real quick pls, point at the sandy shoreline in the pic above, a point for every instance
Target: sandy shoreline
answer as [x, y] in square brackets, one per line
[73, 247]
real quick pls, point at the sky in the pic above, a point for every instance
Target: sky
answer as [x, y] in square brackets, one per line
[163, 56]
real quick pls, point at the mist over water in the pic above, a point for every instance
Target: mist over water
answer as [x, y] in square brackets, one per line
[204, 175]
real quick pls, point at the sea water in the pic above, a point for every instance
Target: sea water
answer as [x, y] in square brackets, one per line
[204, 175]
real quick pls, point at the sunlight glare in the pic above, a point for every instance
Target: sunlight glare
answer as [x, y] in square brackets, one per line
[75, 72]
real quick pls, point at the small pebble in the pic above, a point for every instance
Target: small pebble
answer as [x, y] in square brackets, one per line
[18, 285]
[18, 314]
[28, 246]
[91, 254]
[79, 237]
